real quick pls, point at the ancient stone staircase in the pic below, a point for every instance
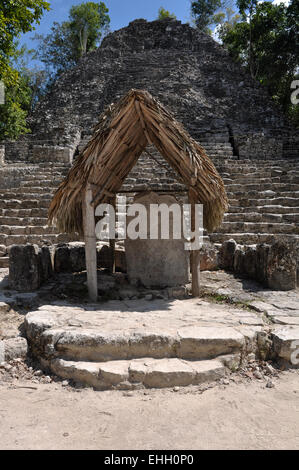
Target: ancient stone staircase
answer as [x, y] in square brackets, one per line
[263, 200]
[263, 196]
[24, 206]
[127, 353]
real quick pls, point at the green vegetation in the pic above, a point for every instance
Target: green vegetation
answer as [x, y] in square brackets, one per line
[70, 40]
[15, 18]
[265, 41]
[162, 14]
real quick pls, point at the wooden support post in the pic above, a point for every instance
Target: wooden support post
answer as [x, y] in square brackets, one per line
[194, 254]
[112, 242]
[90, 245]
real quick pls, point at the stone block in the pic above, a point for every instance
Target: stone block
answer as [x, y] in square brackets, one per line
[239, 260]
[250, 261]
[286, 344]
[43, 153]
[13, 348]
[282, 266]
[105, 257]
[208, 257]
[69, 258]
[24, 268]
[157, 262]
[226, 254]
[276, 265]
[3, 250]
[29, 267]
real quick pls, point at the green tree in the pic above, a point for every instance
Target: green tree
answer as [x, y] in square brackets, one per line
[162, 14]
[265, 42]
[203, 12]
[56, 50]
[36, 78]
[224, 21]
[87, 24]
[16, 17]
[69, 41]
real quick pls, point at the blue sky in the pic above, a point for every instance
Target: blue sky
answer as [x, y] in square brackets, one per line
[121, 13]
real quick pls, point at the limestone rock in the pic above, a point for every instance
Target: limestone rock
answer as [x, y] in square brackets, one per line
[227, 253]
[282, 266]
[208, 257]
[13, 348]
[3, 250]
[29, 267]
[250, 261]
[239, 260]
[276, 265]
[286, 344]
[45, 263]
[105, 257]
[160, 262]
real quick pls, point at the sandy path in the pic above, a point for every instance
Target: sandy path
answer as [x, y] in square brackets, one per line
[237, 416]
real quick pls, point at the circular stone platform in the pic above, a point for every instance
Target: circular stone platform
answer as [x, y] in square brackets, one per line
[137, 343]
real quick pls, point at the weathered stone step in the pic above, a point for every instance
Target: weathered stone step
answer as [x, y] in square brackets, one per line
[256, 194]
[27, 230]
[248, 184]
[286, 344]
[147, 372]
[102, 344]
[22, 222]
[23, 213]
[279, 163]
[290, 178]
[264, 209]
[43, 183]
[258, 227]
[250, 238]
[275, 187]
[24, 196]
[25, 203]
[286, 201]
[33, 191]
[261, 217]
[9, 240]
[4, 262]
[251, 171]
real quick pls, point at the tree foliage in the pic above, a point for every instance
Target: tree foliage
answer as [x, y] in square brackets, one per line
[70, 40]
[203, 13]
[16, 17]
[266, 43]
[162, 14]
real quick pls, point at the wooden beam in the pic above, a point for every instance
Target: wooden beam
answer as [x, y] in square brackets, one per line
[194, 254]
[90, 245]
[112, 242]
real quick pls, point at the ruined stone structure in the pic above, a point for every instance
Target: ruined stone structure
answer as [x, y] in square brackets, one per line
[219, 104]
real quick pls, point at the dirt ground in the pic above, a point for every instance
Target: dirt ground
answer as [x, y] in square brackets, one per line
[239, 415]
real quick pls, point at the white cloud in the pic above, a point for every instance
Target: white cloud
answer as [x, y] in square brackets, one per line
[285, 2]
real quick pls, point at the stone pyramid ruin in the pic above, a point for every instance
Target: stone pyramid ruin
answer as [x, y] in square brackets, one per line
[220, 105]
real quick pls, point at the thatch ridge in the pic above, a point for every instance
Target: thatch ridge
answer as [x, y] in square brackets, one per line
[123, 132]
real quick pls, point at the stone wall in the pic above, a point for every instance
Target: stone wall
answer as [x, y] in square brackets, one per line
[274, 265]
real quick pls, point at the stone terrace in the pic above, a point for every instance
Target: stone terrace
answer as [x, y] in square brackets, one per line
[220, 105]
[24, 202]
[263, 198]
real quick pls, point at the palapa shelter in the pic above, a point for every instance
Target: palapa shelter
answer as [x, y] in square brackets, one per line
[123, 133]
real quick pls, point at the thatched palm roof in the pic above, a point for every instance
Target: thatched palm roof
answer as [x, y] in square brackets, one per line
[124, 131]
